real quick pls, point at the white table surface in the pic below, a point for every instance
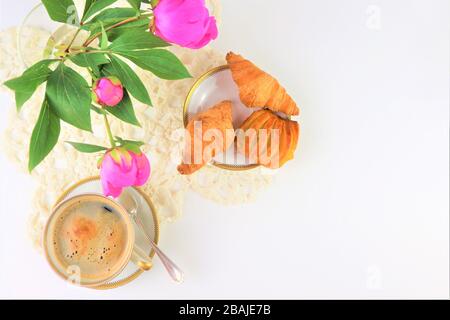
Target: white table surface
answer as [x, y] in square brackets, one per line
[363, 211]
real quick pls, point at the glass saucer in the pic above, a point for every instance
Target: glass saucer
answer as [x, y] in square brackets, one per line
[147, 212]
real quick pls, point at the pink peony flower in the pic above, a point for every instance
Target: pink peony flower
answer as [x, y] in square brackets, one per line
[121, 168]
[184, 22]
[108, 91]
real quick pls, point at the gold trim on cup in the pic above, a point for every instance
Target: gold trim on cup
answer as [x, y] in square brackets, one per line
[197, 83]
[137, 273]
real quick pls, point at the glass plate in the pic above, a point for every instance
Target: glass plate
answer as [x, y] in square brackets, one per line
[215, 86]
[147, 213]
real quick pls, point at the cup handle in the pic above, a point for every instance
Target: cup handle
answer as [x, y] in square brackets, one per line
[142, 260]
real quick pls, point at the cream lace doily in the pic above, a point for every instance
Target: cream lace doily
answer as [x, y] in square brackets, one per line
[64, 166]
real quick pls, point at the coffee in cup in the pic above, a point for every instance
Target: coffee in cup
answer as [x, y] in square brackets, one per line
[89, 239]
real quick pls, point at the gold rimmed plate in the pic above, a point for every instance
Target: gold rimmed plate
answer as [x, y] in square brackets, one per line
[147, 212]
[215, 86]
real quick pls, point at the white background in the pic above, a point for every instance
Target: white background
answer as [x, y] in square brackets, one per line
[362, 212]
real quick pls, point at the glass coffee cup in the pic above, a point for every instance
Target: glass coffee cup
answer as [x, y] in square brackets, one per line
[89, 239]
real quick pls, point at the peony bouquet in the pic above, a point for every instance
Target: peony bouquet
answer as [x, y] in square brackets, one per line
[139, 34]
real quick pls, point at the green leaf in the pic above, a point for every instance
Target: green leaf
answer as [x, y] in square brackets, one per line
[95, 7]
[62, 11]
[134, 146]
[25, 85]
[137, 40]
[123, 141]
[129, 79]
[135, 3]
[90, 60]
[97, 110]
[142, 24]
[162, 63]
[115, 154]
[104, 40]
[131, 145]
[44, 137]
[109, 17]
[87, 6]
[70, 97]
[86, 148]
[124, 110]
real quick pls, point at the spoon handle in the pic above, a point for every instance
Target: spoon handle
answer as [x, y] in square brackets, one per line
[175, 273]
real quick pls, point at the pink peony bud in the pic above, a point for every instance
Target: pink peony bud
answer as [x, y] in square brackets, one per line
[108, 91]
[121, 168]
[184, 22]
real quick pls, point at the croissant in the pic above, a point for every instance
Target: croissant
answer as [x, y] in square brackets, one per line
[202, 144]
[259, 89]
[262, 146]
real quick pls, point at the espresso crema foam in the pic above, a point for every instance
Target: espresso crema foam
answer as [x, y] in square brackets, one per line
[92, 236]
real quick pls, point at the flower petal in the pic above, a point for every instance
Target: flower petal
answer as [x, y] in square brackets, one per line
[109, 92]
[185, 22]
[110, 190]
[119, 175]
[144, 169]
[210, 35]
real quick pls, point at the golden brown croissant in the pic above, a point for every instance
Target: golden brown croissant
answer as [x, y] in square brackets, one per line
[262, 146]
[208, 133]
[259, 89]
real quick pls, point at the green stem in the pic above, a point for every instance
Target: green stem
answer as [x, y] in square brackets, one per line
[73, 40]
[93, 76]
[86, 44]
[89, 51]
[121, 23]
[108, 130]
[71, 54]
